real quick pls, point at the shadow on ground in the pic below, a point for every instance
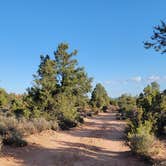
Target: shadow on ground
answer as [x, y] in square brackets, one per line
[75, 154]
[76, 151]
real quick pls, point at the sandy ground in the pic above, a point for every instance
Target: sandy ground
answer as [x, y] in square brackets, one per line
[99, 142]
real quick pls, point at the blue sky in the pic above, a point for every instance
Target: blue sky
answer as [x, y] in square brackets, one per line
[108, 34]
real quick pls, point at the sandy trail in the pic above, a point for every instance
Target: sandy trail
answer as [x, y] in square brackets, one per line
[99, 142]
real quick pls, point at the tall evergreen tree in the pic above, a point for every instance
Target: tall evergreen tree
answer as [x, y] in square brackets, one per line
[44, 89]
[99, 97]
[72, 80]
[60, 87]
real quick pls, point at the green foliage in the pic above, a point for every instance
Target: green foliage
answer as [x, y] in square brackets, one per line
[148, 120]
[72, 80]
[147, 99]
[99, 97]
[113, 102]
[67, 113]
[126, 102]
[60, 88]
[158, 39]
[153, 104]
[41, 95]
[4, 99]
[141, 140]
[127, 106]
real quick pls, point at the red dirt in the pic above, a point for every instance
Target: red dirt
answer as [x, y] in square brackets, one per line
[99, 142]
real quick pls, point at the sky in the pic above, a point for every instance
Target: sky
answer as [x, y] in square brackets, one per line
[108, 35]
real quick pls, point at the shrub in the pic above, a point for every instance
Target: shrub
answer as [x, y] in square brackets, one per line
[36, 125]
[26, 127]
[141, 141]
[67, 113]
[66, 124]
[12, 130]
[41, 124]
[54, 125]
[19, 112]
[7, 124]
[14, 138]
[105, 108]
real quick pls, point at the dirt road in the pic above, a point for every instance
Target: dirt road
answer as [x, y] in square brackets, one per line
[99, 142]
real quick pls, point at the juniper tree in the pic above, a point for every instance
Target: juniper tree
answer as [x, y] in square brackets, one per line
[99, 97]
[147, 100]
[153, 104]
[126, 102]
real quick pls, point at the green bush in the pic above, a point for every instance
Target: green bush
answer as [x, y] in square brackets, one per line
[142, 141]
[67, 113]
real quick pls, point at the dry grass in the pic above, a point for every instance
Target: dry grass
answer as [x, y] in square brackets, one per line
[12, 130]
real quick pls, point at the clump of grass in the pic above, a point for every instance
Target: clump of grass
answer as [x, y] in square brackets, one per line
[54, 125]
[27, 127]
[41, 124]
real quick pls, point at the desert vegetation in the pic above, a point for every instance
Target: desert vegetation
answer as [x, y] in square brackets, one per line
[58, 99]
[62, 95]
[146, 113]
[146, 120]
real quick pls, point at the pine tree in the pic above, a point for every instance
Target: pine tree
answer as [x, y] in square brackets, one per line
[41, 95]
[73, 81]
[158, 39]
[60, 87]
